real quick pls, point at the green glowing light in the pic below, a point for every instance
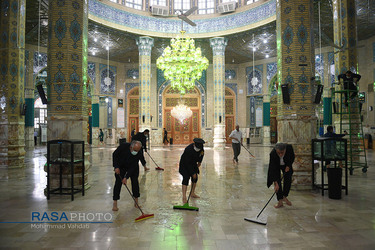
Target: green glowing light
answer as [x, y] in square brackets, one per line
[182, 63]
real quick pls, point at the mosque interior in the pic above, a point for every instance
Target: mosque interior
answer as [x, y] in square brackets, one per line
[73, 68]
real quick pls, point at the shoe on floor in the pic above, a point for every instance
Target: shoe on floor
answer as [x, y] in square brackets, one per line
[159, 168]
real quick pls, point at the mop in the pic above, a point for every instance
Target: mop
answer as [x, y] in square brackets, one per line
[256, 219]
[143, 216]
[247, 150]
[157, 166]
[186, 205]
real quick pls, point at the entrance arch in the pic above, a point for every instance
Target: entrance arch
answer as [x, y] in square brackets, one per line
[182, 133]
[133, 108]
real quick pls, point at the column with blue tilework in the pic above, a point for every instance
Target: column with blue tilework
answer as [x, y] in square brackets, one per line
[12, 98]
[145, 45]
[67, 80]
[218, 45]
[295, 67]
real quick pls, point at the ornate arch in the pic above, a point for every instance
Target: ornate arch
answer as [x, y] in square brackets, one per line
[160, 102]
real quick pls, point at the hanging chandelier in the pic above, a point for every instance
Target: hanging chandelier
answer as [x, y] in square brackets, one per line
[182, 63]
[181, 111]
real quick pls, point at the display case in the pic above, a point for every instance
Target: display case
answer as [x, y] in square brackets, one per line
[65, 159]
[333, 150]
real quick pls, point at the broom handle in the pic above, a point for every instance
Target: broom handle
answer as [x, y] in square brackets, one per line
[153, 160]
[191, 189]
[133, 198]
[269, 199]
[247, 150]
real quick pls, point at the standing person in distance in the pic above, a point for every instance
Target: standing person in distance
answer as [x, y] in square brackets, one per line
[281, 159]
[142, 137]
[190, 162]
[165, 138]
[101, 136]
[236, 137]
[35, 137]
[125, 162]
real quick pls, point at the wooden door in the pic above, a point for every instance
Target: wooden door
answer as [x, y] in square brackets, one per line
[133, 124]
[229, 127]
[183, 133]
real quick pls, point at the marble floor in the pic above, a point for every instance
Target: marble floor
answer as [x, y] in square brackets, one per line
[229, 193]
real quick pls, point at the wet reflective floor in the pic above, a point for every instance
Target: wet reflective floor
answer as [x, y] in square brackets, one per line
[229, 193]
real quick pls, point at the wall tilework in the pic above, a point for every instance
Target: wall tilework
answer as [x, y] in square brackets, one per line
[256, 87]
[40, 63]
[164, 25]
[91, 72]
[128, 88]
[107, 89]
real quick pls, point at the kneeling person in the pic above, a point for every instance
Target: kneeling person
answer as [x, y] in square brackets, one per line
[190, 162]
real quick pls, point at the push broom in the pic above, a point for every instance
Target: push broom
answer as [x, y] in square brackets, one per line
[143, 216]
[247, 150]
[256, 219]
[157, 166]
[186, 205]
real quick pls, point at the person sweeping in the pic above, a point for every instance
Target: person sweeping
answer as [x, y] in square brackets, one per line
[125, 162]
[281, 159]
[190, 162]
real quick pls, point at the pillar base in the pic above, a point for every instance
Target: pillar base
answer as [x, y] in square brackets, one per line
[219, 137]
[298, 132]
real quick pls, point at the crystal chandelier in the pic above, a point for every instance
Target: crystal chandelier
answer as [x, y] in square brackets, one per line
[181, 112]
[182, 63]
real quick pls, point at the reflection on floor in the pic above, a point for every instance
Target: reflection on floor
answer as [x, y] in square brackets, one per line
[229, 192]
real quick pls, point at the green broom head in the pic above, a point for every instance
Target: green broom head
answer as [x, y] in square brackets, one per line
[186, 207]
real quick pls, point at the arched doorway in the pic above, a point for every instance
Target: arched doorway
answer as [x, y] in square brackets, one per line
[230, 113]
[133, 108]
[182, 133]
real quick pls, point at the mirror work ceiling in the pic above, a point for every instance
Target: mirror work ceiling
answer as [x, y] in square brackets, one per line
[123, 47]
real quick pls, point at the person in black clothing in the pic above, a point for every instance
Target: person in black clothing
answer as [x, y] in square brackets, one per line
[141, 136]
[132, 134]
[331, 148]
[125, 162]
[281, 158]
[350, 80]
[190, 162]
[165, 138]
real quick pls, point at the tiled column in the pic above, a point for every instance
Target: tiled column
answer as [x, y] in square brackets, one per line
[218, 45]
[29, 101]
[12, 60]
[67, 75]
[345, 34]
[295, 65]
[145, 45]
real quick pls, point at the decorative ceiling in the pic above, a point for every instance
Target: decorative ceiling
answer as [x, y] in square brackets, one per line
[123, 48]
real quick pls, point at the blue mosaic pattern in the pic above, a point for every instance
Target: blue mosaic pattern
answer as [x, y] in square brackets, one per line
[160, 102]
[288, 36]
[233, 86]
[91, 73]
[60, 29]
[271, 71]
[319, 67]
[252, 112]
[75, 31]
[173, 26]
[258, 72]
[230, 74]
[302, 35]
[128, 88]
[39, 64]
[110, 89]
[133, 73]
[331, 61]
